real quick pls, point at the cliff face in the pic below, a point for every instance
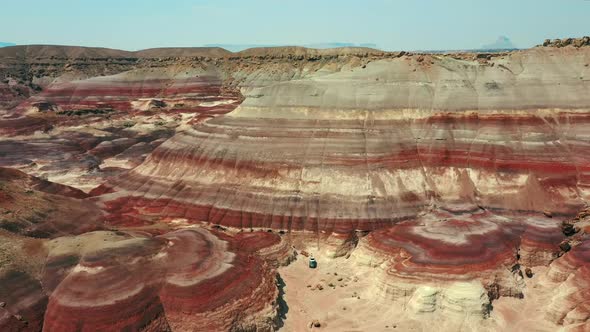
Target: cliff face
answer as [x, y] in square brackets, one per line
[459, 167]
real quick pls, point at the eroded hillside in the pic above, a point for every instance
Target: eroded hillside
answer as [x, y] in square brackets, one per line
[170, 185]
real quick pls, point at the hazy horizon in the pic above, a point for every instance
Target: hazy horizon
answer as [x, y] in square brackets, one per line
[386, 24]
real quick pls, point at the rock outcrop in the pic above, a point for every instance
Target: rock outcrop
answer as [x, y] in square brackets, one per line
[575, 42]
[183, 280]
[189, 279]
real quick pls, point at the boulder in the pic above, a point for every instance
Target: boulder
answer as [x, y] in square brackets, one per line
[564, 246]
[568, 229]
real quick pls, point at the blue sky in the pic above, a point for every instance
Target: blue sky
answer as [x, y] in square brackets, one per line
[391, 24]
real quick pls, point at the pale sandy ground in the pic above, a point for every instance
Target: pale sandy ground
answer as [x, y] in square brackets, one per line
[354, 304]
[336, 308]
[528, 314]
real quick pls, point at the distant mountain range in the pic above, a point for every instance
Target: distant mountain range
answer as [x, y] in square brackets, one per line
[241, 47]
[335, 45]
[502, 43]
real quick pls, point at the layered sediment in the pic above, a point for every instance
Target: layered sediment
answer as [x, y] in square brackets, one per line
[161, 189]
[189, 279]
[182, 280]
[363, 148]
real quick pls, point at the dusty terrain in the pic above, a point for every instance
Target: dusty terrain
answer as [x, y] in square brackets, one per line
[183, 189]
[354, 304]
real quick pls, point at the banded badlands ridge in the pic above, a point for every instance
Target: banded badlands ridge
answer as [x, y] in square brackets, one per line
[184, 189]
